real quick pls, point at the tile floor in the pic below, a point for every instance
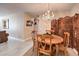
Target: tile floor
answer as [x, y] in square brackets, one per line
[15, 47]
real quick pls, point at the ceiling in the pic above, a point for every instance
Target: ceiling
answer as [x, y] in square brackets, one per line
[33, 8]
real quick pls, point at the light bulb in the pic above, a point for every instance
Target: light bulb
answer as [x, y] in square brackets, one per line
[43, 15]
[48, 11]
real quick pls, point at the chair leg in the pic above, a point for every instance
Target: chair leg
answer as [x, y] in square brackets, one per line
[38, 54]
[33, 47]
[65, 52]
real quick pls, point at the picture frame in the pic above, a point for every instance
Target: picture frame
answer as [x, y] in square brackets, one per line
[5, 23]
[29, 23]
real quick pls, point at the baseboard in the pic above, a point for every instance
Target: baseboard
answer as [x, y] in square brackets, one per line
[28, 38]
[20, 39]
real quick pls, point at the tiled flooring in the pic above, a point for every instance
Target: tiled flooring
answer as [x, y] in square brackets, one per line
[15, 47]
[30, 52]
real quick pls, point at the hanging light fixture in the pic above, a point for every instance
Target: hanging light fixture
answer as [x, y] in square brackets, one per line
[48, 14]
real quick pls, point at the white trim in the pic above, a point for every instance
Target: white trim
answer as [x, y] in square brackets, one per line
[13, 38]
[28, 38]
[20, 39]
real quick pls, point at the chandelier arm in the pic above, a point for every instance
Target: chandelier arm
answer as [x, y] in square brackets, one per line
[49, 14]
[48, 6]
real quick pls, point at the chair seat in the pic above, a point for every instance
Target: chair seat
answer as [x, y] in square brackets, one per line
[62, 48]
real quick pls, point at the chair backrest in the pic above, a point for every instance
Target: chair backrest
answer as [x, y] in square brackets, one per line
[43, 44]
[66, 38]
[50, 31]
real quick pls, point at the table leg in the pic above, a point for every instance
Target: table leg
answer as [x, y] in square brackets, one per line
[57, 49]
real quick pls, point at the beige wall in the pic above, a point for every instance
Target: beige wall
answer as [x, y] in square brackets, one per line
[43, 25]
[17, 26]
[1, 23]
[28, 29]
[62, 14]
[75, 9]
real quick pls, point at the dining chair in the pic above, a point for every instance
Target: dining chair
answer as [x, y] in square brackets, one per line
[66, 39]
[63, 47]
[50, 31]
[44, 45]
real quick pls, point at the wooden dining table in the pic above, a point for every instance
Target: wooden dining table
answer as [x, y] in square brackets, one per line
[56, 40]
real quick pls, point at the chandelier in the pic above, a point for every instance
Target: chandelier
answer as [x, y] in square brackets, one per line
[48, 14]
